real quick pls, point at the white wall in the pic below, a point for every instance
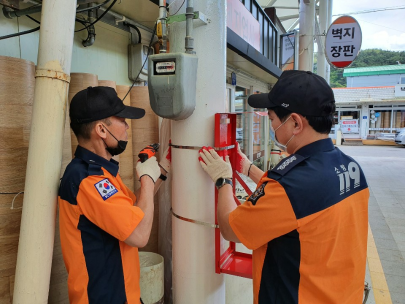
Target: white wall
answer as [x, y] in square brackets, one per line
[25, 46]
[238, 290]
[244, 80]
[364, 122]
[107, 57]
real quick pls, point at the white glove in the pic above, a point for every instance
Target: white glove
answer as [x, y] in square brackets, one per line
[242, 163]
[149, 167]
[166, 159]
[214, 165]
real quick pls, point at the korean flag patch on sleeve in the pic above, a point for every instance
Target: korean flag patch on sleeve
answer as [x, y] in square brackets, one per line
[105, 188]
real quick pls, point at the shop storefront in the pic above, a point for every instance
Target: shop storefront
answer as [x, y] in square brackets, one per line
[252, 130]
[370, 113]
[386, 119]
[347, 120]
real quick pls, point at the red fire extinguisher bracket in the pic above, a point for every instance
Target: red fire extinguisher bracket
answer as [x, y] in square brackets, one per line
[230, 261]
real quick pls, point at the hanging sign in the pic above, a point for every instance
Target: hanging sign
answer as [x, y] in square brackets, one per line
[287, 51]
[242, 22]
[343, 41]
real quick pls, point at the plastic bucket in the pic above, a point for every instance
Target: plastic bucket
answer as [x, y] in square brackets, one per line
[152, 277]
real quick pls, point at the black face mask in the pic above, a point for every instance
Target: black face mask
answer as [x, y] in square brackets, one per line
[122, 144]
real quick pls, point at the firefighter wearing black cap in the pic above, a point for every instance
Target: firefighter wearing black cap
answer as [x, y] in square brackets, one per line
[307, 221]
[102, 223]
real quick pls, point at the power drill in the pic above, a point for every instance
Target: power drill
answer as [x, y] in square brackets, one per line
[148, 152]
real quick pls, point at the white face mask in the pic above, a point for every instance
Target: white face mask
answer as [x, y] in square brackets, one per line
[277, 143]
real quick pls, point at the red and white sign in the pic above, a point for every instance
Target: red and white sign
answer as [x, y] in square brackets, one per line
[242, 22]
[349, 126]
[343, 41]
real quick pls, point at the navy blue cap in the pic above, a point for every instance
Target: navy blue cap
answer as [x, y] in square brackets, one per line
[301, 92]
[95, 103]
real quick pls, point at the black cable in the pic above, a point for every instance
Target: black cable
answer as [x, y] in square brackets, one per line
[19, 34]
[101, 16]
[12, 192]
[78, 20]
[35, 20]
[92, 7]
[82, 22]
[136, 29]
[179, 8]
[146, 59]
[22, 33]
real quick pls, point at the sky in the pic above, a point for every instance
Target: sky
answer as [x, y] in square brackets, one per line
[384, 29]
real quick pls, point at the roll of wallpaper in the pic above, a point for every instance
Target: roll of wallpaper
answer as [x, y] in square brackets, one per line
[126, 158]
[145, 131]
[78, 82]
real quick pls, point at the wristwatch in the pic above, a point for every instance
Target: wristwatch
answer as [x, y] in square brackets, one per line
[222, 181]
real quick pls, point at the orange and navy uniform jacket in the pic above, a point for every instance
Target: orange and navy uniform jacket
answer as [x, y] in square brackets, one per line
[96, 215]
[307, 225]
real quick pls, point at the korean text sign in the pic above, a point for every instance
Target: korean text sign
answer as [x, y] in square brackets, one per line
[343, 41]
[242, 22]
[349, 126]
[287, 51]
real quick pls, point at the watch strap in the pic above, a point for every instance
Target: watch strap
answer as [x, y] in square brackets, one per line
[163, 177]
[226, 181]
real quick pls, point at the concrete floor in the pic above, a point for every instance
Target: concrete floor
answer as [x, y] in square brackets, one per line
[384, 167]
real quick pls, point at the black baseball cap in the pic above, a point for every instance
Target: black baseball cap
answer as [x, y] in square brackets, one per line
[95, 103]
[300, 92]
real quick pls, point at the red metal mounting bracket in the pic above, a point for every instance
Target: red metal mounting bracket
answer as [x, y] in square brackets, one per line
[231, 261]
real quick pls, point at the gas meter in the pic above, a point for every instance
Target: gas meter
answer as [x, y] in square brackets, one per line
[172, 80]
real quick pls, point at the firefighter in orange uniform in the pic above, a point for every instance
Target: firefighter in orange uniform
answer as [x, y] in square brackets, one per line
[102, 223]
[307, 221]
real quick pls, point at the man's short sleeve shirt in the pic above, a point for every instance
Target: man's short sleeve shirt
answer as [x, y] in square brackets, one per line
[307, 225]
[96, 215]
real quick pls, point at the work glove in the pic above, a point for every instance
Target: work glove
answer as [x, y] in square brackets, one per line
[242, 163]
[166, 160]
[214, 165]
[149, 167]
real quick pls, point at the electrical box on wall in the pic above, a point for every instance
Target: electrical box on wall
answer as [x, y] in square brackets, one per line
[172, 80]
[137, 54]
